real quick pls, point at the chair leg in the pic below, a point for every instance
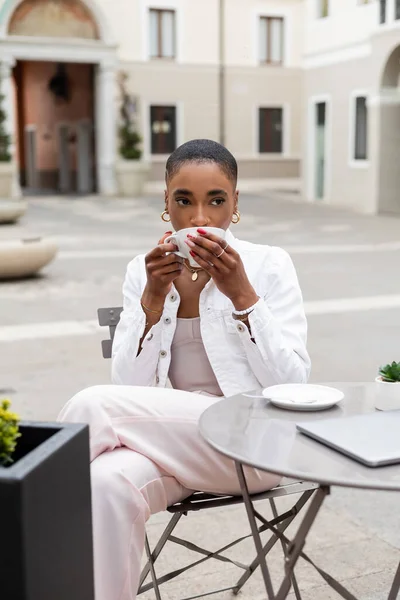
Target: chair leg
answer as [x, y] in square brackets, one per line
[159, 546]
[301, 502]
[254, 529]
[152, 569]
[284, 548]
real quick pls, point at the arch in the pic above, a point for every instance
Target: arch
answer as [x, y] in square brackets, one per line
[391, 72]
[91, 6]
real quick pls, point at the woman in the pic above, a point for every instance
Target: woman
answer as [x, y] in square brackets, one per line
[233, 324]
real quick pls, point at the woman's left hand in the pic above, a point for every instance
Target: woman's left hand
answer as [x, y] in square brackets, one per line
[225, 266]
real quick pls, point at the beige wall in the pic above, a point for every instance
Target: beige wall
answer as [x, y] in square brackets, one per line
[241, 27]
[367, 187]
[198, 29]
[348, 24]
[346, 184]
[262, 87]
[191, 82]
[194, 91]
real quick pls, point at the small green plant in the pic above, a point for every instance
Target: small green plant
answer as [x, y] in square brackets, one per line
[5, 139]
[9, 432]
[390, 372]
[130, 140]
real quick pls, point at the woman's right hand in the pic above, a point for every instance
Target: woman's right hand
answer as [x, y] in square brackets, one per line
[161, 269]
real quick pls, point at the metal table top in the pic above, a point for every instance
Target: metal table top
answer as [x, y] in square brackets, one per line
[254, 432]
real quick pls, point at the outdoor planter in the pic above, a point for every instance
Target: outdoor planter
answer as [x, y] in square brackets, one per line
[388, 394]
[12, 210]
[131, 177]
[6, 179]
[22, 258]
[46, 550]
[388, 387]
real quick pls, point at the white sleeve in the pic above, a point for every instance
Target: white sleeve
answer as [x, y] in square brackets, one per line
[127, 367]
[279, 328]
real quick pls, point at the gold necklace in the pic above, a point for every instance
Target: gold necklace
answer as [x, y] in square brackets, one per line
[194, 271]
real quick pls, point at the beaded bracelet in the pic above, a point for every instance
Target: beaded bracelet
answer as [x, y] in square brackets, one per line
[247, 311]
[241, 318]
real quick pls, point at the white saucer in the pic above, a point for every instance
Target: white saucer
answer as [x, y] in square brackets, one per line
[303, 396]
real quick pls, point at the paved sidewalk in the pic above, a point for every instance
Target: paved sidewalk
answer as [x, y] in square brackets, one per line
[347, 266]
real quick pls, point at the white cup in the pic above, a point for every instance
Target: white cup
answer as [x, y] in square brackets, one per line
[178, 238]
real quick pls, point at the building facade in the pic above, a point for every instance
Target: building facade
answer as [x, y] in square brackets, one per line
[228, 70]
[351, 104]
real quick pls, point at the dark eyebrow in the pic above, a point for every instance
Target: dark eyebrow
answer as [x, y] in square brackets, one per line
[216, 193]
[183, 192]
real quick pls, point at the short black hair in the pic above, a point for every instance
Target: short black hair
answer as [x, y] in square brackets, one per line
[203, 151]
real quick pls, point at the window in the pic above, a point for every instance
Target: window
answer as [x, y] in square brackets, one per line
[361, 129]
[163, 129]
[382, 11]
[271, 40]
[162, 33]
[397, 10]
[271, 130]
[322, 9]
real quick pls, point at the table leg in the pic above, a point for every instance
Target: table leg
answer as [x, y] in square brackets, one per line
[285, 552]
[254, 530]
[297, 545]
[394, 590]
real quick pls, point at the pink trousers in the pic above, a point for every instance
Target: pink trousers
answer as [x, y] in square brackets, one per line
[146, 454]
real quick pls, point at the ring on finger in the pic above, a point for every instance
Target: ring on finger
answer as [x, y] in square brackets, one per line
[219, 255]
[226, 246]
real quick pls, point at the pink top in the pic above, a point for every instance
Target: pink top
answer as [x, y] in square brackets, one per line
[190, 369]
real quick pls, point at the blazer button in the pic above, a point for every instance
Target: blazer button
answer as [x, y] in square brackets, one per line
[163, 354]
[241, 328]
[172, 297]
[167, 321]
[150, 337]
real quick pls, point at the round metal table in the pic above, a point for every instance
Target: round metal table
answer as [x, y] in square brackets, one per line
[253, 432]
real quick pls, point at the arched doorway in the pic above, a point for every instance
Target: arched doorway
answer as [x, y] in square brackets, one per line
[61, 93]
[388, 151]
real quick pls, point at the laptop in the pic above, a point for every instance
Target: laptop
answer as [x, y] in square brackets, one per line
[372, 439]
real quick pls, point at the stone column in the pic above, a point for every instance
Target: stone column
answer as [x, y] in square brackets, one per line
[384, 120]
[7, 89]
[106, 128]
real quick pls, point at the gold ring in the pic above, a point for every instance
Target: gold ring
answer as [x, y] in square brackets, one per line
[226, 246]
[219, 255]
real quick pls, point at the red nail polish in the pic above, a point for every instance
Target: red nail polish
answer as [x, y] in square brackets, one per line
[168, 232]
[192, 253]
[202, 231]
[190, 236]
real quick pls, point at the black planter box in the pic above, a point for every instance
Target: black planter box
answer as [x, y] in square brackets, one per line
[46, 548]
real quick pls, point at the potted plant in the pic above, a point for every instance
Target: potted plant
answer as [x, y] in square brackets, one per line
[6, 171]
[46, 551]
[388, 388]
[10, 209]
[132, 171]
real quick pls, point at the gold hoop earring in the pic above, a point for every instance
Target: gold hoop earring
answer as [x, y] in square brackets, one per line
[236, 217]
[164, 216]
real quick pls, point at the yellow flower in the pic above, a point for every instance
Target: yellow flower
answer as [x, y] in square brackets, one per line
[9, 432]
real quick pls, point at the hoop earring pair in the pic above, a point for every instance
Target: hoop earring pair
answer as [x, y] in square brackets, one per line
[236, 217]
[166, 218]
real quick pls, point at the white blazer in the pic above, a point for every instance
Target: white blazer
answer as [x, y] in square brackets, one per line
[278, 324]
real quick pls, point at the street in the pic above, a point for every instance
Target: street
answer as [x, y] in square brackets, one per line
[348, 270]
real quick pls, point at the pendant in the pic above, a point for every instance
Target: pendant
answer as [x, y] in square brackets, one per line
[195, 276]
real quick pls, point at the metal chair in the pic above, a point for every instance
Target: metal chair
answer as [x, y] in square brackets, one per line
[109, 317]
